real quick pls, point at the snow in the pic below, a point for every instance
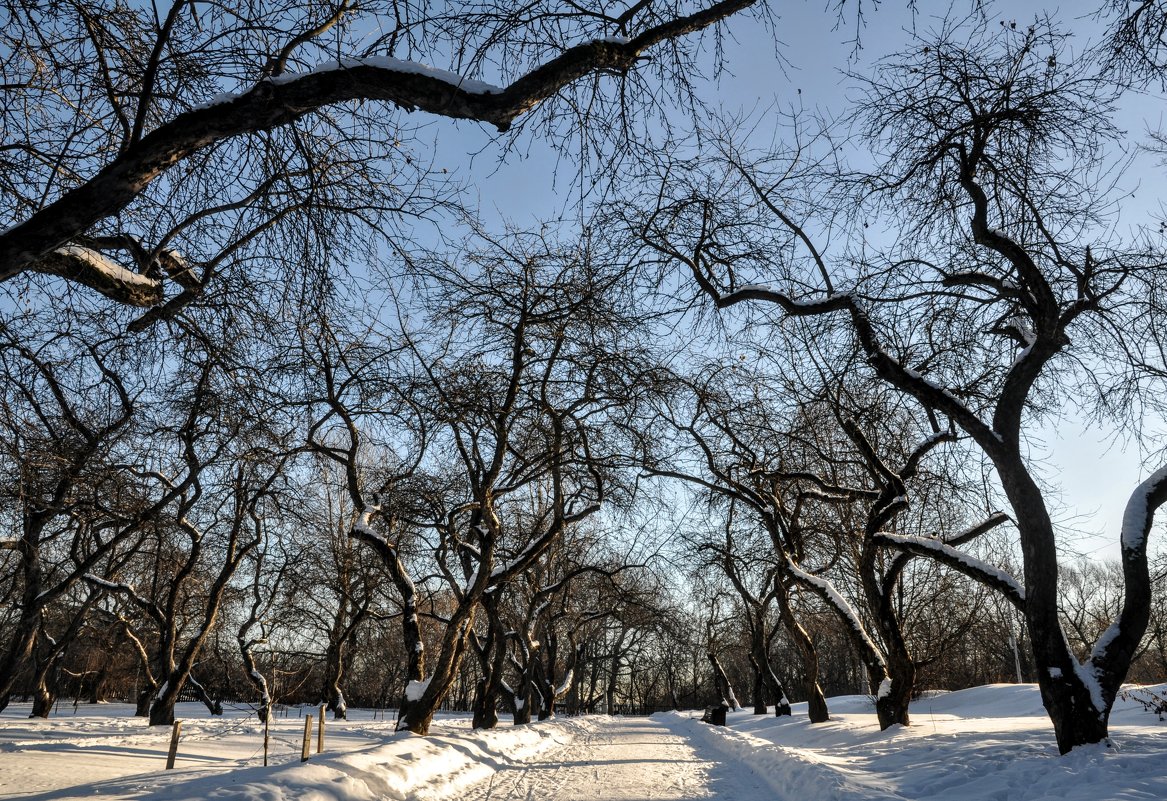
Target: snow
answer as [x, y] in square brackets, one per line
[978, 565]
[379, 62]
[1135, 518]
[111, 269]
[839, 602]
[987, 742]
[1086, 674]
[565, 685]
[925, 380]
[884, 688]
[104, 752]
[990, 742]
[416, 689]
[217, 100]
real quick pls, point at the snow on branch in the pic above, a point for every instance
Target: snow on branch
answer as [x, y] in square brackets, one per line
[383, 63]
[1140, 510]
[564, 685]
[124, 589]
[826, 590]
[96, 271]
[977, 569]
[414, 689]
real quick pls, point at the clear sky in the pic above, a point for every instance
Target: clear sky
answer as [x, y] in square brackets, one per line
[1094, 474]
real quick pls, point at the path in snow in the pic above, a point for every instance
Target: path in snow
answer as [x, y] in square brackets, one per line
[627, 759]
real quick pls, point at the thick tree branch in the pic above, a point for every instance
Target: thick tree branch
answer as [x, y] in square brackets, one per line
[276, 102]
[972, 567]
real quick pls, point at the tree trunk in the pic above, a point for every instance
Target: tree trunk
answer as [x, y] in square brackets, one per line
[544, 675]
[894, 694]
[410, 631]
[492, 661]
[759, 688]
[765, 680]
[44, 692]
[162, 707]
[97, 687]
[145, 696]
[721, 683]
[418, 715]
[213, 705]
[257, 679]
[24, 640]
[1076, 718]
[334, 668]
[816, 702]
[526, 689]
[523, 704]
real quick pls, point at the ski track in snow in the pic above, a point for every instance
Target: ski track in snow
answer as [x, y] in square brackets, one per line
[629, 759]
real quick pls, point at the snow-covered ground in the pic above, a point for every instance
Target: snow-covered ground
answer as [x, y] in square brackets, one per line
[985, 743]
[992, 742]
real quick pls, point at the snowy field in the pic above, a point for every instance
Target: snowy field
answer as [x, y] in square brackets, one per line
[985, 743]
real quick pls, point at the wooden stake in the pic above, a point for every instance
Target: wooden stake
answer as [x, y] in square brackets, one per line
[307, 738]
[266, 731]
[174, 732]
[320, 732]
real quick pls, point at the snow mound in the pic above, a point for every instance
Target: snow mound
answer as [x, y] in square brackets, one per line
[109, 754]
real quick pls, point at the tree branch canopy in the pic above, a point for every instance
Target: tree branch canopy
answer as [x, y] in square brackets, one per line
[279, 101]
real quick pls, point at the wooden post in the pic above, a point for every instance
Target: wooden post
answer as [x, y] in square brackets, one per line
[174, 732]
[320, 732]
[307, 738]
[266, 732]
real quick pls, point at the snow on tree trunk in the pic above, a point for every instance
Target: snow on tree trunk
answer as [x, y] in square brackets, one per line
[162, 706]
[721, 683]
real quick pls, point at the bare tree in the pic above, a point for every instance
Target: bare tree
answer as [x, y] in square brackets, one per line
[990, 146]
[64, 412]
[223, 478]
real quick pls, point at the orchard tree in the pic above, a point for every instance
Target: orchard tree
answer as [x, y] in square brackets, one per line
[520, 384]
[72, 506]
[222, 470]
[977, 270]
[729, 445]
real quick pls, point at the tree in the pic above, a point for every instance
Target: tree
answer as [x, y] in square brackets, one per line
[64, 414]
[739, 449]
[1137, 40]
[1002, 280]
[135, 131]
[222, 472]
[517, 387]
